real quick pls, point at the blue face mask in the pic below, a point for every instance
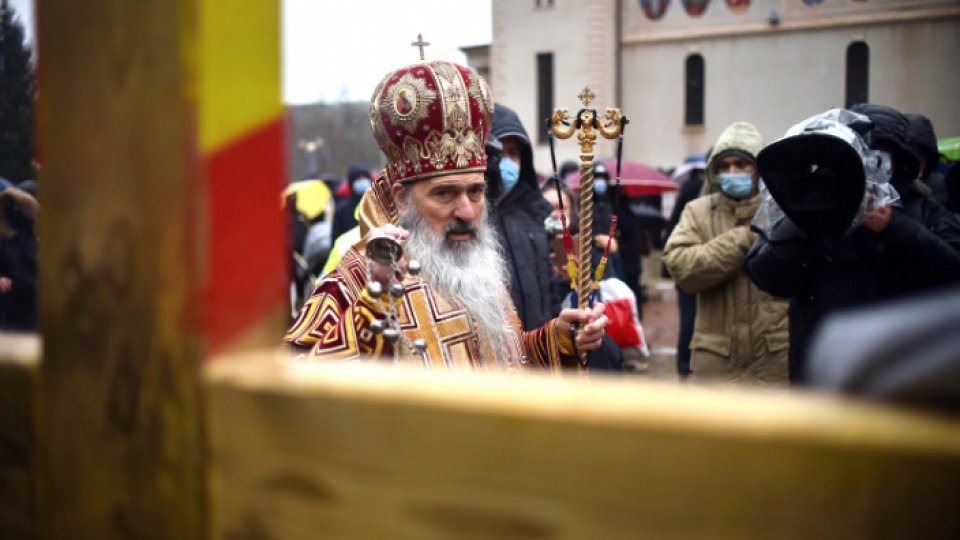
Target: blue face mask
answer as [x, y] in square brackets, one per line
[599, 187]
[509, 173]
[361, 186]
[736, 185]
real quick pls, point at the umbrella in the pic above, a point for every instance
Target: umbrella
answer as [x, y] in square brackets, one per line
[682, 173]
[950, 148]
[636, 179]
[312, 196]
[648, 217]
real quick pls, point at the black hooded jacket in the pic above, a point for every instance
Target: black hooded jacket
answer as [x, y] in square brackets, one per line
[926, 140]
[907, 138]
[821, 275]
[519, 215]
[892, 129]
[18, 262]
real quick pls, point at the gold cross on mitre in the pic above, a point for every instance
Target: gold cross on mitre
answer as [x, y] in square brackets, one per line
[586, 96]
[421, 44]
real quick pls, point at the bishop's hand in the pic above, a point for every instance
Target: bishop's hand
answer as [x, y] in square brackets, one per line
[591, 321]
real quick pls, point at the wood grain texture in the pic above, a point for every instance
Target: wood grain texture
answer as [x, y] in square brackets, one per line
[19, 410]
[123, 442]
[304, 451]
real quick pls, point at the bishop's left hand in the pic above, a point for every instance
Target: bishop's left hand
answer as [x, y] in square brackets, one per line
[592, 321]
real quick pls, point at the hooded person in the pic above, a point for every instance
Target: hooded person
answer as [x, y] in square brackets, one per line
[451, 309]
[831, 235]
[691, 185]
[925, 137]
[740, 331]
[358, 177]
[925, 198]
[519, 213]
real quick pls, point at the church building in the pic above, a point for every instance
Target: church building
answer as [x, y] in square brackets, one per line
[681, 70]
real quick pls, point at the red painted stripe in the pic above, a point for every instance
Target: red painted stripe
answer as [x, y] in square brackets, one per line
[247, 254]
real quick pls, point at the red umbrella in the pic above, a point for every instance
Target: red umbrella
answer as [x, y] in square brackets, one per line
[636, 179]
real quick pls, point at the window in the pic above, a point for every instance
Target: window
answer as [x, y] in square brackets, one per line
[858, 73]
[694, 79]
[544, 93]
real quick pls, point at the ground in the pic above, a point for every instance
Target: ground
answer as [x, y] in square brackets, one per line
[661, 321]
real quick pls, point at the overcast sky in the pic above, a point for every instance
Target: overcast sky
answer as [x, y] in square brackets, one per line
[335, 48]
[340, 49]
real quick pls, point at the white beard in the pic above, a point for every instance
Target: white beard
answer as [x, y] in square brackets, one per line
[470, 272]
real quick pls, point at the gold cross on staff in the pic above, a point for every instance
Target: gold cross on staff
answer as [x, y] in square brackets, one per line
[421, 44]
[586, 96]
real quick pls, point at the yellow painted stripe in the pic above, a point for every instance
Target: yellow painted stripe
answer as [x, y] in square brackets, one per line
[239, 68]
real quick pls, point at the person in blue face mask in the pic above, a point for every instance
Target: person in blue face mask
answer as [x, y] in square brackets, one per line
[740, 332]
[519, 211]
[343, 216]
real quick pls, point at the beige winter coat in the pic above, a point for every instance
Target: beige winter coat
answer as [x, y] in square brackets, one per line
[740, 334]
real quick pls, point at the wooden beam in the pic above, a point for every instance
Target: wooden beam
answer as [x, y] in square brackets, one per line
[19, 422]
[311, 451]
[163, 240]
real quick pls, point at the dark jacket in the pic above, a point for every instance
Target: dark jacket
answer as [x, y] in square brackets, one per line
[910, 136]
[343, 218]
[820, 277]
[18, 261]
[926, 143]
[918, 204]
[519, 216]
[892, 129]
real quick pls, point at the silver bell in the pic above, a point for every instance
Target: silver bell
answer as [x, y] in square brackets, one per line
[375, 289]
[413, 267]
[419, 345]
[376, 326]
[391, 335]
[385, 250]
[397, 290]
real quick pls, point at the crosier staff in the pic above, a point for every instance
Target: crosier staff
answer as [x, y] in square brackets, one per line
[586, 125]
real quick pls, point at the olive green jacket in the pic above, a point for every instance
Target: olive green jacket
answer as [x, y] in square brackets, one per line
[740, 332]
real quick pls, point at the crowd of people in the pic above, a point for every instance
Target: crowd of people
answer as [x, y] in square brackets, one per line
[459, 254]
[850, 208]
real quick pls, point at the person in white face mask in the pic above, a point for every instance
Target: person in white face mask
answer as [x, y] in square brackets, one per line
[740, 333]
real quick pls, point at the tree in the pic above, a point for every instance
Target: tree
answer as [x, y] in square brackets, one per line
[17, 98]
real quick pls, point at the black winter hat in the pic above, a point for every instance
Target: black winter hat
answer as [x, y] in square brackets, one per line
[891, 128]
[734, 152]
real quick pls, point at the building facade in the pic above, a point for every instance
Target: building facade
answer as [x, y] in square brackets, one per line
[682, 70]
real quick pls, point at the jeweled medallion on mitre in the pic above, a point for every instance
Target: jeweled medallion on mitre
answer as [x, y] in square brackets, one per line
[406, 102]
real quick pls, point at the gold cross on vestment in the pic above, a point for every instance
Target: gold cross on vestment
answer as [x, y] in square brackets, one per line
[444, 325]
[586, 96]
[421, 44]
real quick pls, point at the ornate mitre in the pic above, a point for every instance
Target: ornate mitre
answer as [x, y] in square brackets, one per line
[431, 119]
